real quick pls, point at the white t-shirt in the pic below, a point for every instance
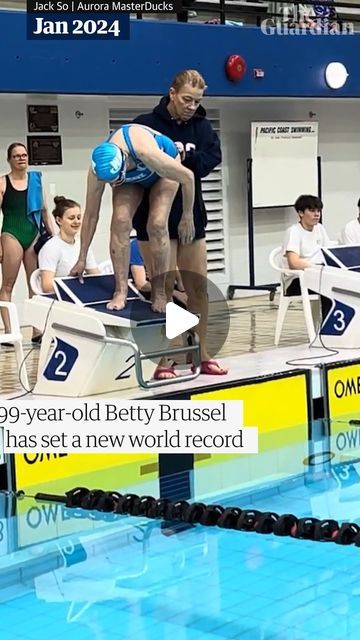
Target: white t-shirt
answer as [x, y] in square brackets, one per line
[350, 234]
[306, 244]
[59, 257]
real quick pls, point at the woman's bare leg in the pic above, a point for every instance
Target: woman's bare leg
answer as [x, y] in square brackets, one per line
[12, 257]
[126, 200]
[161, 198]
[192, 264]
[30, 264]
[163, 370]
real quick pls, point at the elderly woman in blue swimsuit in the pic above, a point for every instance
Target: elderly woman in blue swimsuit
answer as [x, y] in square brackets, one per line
[133, 158]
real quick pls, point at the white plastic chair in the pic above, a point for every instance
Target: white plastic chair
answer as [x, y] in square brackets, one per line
[35, 282]
[106, 266]
[15, 337]
[275, 260]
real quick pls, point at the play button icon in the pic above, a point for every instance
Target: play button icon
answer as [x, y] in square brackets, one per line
[178, 320]
[167, 332]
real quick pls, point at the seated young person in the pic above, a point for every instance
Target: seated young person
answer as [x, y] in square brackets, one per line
[60, 253]
[303, 241]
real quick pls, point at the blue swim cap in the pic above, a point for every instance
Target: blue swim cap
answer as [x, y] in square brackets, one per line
[109, 162]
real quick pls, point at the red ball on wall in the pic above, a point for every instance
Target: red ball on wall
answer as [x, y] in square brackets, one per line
[235, 67]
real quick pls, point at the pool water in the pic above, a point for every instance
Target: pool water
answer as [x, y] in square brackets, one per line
[86, 575]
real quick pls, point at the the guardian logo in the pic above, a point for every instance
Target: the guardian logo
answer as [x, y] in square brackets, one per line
[304, 25]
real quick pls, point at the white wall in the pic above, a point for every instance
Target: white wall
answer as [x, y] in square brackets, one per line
[78, 136]
[339, 148]
[339, 135]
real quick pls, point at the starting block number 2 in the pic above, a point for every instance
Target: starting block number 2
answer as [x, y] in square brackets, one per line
[64, 357]
[130, 364]
[61, 362]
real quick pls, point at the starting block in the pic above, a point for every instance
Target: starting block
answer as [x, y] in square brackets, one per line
[339, 281]
[88, 349]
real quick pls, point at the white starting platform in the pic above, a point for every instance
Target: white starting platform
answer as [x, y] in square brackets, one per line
[88, 349]
[339, 281]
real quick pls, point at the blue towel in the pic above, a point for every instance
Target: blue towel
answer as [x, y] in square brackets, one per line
[35, 201]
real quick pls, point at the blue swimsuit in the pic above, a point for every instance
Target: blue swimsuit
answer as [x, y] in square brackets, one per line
[142, 175]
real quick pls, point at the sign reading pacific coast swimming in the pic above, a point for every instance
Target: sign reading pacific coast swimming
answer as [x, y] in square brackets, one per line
[284, 161]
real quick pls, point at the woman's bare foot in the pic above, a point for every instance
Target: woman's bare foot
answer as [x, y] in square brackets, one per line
[164, 373]
[211, 367]
[159, 304]
[118, 302]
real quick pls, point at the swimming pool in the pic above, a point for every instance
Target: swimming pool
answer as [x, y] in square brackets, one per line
[87, 575]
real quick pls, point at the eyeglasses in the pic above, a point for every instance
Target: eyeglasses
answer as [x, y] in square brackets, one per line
[20, 156]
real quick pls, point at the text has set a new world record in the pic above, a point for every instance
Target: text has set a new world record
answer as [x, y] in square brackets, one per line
[112, 426]
[81, 20]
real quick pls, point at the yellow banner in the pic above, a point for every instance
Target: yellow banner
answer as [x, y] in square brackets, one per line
[343, 390]
[278, 407]
[272, 405]
[57, 473]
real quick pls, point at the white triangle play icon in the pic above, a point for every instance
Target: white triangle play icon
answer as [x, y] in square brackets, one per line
[178, 320]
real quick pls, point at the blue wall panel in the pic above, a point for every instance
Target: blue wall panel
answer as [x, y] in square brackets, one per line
[145, 64]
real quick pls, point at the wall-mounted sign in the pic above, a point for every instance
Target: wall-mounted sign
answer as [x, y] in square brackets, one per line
[44, 150]
[42, 119]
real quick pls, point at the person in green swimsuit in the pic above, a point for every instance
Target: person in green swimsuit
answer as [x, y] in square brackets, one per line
[18, 232]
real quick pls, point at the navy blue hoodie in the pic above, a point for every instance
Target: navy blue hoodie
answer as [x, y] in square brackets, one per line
[203, 154]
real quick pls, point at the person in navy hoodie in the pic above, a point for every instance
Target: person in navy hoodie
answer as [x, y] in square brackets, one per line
[180, 116]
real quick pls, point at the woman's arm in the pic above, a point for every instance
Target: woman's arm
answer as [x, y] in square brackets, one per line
[138, 274]
[48, 219]
[95, 190]
[47, 281]
[2, 191]
[295, 262]
[48, 259]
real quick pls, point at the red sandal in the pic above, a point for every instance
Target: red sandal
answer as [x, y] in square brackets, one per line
[205, 368]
